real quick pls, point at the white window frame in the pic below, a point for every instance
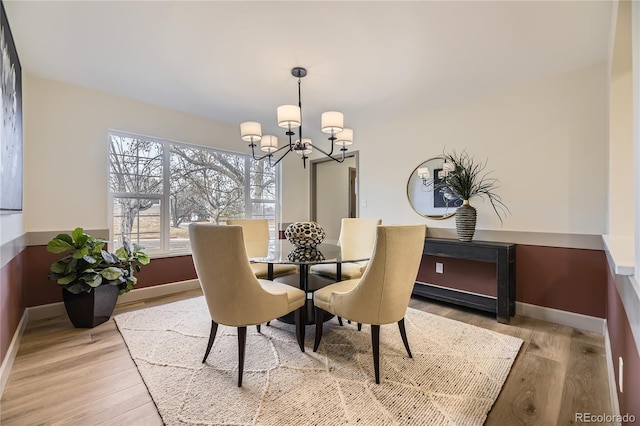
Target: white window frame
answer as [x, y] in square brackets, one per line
[165, 215]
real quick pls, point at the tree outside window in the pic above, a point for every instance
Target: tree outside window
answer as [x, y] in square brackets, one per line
[159, 187]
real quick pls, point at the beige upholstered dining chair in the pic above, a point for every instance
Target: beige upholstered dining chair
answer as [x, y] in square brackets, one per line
[234, 295]
[382, 295]
[256, 241]
[357, 237]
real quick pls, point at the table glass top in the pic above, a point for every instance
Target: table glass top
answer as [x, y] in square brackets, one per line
[282, 251]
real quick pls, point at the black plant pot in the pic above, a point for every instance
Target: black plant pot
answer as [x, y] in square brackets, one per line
[87, 310]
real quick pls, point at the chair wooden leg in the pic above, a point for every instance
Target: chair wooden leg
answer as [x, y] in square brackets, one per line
[319, 322]
[242, 340]
[300, 326]
[258, 328]
[212, 337]
[359, 326]
[403, 333]
[340, 321]
[375, 345]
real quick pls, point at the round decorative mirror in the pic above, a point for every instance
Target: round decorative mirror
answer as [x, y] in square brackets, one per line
[425, 200]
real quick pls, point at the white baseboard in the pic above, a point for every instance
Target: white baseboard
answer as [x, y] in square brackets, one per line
[45, 311]
[570, 319]
[613, 391]
[158, 290]
[7, 362]
[55, 309]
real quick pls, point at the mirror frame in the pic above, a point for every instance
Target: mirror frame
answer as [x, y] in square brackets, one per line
[414, 179]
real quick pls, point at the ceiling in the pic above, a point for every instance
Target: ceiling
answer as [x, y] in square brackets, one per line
[231, 61]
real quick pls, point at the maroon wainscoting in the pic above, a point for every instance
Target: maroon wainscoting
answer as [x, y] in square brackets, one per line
[545, 276]
[571, 280]
[166, 270]
[41, 291]
[623, 345]
[11, 301]
[38, 289]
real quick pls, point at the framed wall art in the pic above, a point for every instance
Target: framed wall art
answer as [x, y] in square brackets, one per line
[11, 131]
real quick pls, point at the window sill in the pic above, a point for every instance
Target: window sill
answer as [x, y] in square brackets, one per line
[620, 251]
[170, 254]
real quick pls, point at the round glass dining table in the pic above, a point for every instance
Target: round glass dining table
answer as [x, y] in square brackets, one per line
[283, 252]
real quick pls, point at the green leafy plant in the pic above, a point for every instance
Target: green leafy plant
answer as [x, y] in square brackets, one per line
[86, 264]
[466, 179]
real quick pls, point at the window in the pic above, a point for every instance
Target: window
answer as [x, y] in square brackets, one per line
[158, 187]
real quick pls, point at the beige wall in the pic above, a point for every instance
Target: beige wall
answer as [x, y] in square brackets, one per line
[621, 199]
[11, 227]
[621, 162]
[66, 149]
[546, 142]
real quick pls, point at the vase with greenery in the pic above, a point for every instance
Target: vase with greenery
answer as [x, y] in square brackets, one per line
[463, 179]
[91, 277]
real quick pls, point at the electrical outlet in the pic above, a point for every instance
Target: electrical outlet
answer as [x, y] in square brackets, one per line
[439, 268]
[620, 372]
[363, 202]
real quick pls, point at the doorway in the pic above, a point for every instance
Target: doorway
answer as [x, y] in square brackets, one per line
[334, 192]
[353, 192]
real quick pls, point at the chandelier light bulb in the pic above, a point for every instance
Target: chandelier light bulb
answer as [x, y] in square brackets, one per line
[423, 172]
[447, 167]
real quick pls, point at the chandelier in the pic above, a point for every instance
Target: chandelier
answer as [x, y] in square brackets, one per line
[438, 174]
[290, 118]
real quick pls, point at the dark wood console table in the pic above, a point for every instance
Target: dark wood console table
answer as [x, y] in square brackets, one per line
[502, 254]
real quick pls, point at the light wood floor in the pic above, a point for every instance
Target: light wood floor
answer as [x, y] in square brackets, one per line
[67, 376]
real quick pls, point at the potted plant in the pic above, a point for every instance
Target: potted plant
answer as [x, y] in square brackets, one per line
[91, 277]
[464, 179]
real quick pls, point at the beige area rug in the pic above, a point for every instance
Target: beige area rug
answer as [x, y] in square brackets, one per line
[454, 378]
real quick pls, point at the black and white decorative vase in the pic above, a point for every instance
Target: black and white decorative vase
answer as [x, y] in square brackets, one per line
[466, 221]
[304, 234]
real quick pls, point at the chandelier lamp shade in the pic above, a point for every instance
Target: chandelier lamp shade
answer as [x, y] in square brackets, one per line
[290, 118]
[423, 172]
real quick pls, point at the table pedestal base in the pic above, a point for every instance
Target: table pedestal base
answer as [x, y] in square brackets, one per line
[313, 283]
